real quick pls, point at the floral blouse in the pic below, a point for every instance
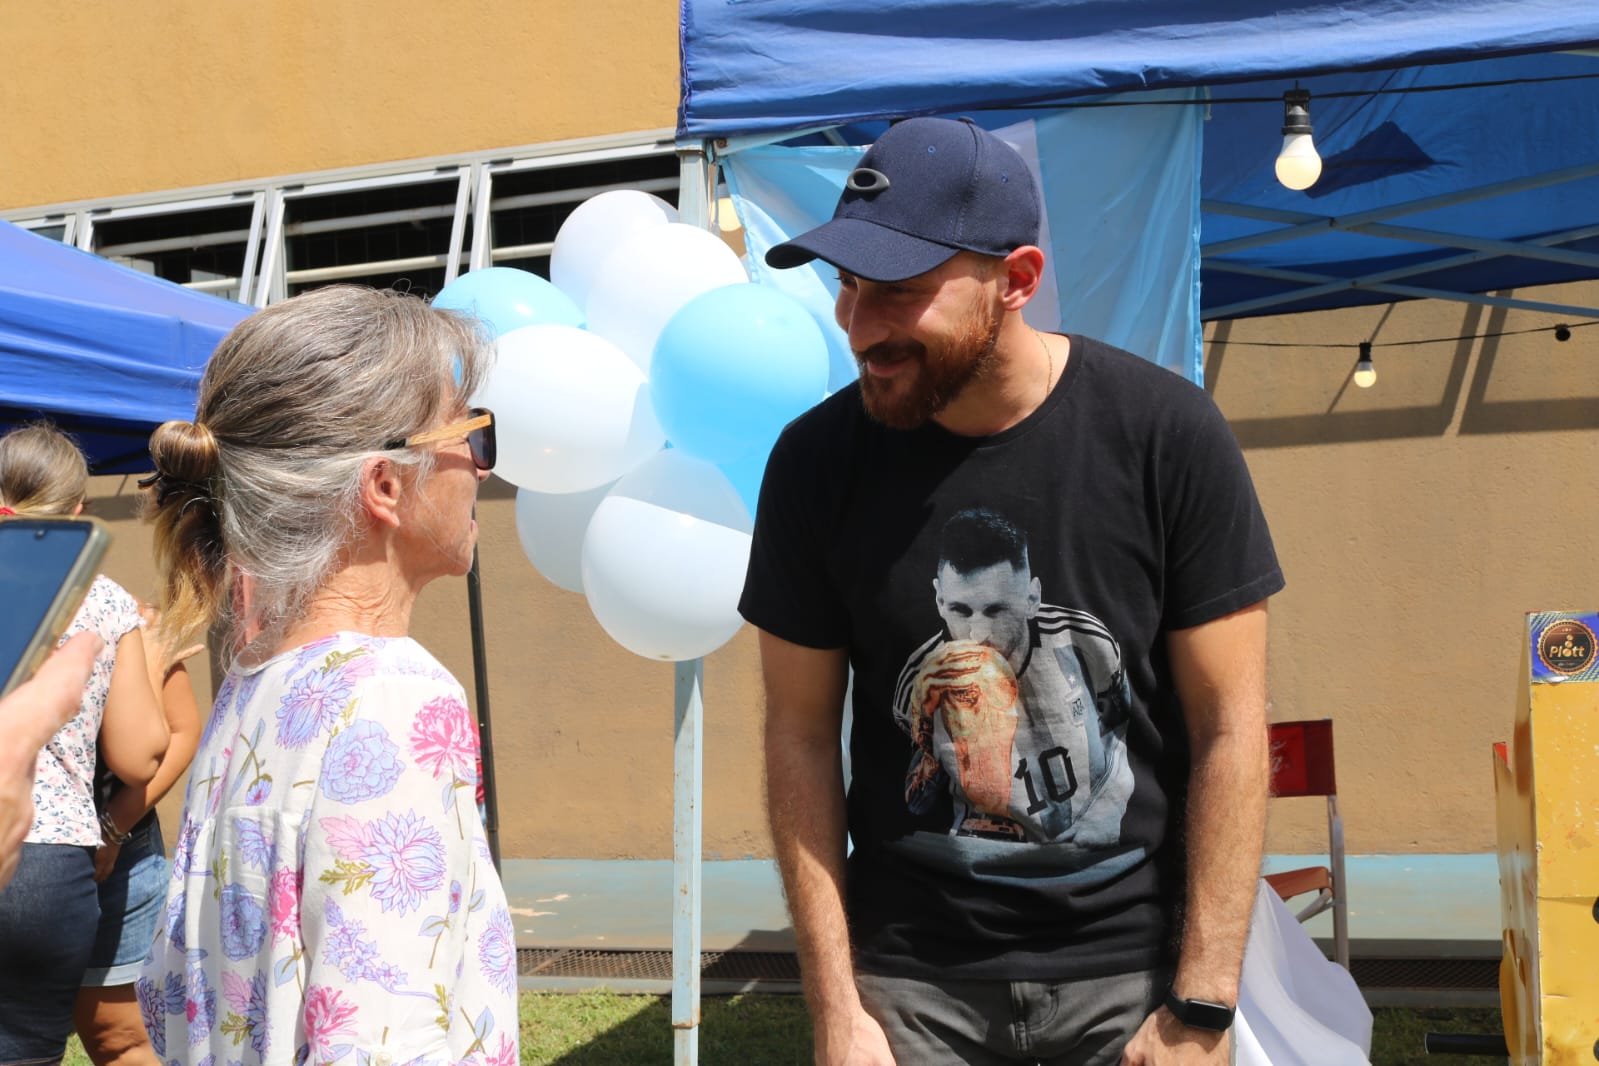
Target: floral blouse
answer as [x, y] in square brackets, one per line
[63, 777]
[333, 899]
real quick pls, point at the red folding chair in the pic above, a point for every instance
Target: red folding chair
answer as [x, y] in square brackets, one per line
[1302, 765]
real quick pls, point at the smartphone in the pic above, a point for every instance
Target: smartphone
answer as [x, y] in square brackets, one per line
[46, 568]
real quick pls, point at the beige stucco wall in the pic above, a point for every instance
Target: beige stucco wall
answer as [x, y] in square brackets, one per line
[1416, 521]
[107, 99]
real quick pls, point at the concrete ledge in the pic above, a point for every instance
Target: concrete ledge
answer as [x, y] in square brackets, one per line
[1420, 906]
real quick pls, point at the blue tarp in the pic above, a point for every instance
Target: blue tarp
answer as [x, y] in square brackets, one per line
[105, 352]
[1418, 106]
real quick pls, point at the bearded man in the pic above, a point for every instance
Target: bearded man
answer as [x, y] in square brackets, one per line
[1032, 923]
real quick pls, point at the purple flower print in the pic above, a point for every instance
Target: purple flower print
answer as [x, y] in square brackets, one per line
[455, 896]
[361, 763]
[313, 704]
[244, 924]
[348, 946]
[258, 791]
[407, 860]
[199, 1004]
[248, 1000]
[253, 847]
[443, 740]
[177, 993]
[183, 850]
[152, 1011]
[173, 923]
[496, 951]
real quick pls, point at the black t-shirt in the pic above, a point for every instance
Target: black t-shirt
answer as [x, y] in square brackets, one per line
[1018, 753]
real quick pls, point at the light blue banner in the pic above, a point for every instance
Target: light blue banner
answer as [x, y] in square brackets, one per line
[1121, 196]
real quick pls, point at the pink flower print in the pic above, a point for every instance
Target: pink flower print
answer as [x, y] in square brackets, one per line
[443, 740]
[283, 904]
[505, 1055]
[346, 836]
[326, 1016]
[407, 860]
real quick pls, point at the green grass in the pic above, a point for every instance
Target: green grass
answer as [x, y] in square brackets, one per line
[607, 1029]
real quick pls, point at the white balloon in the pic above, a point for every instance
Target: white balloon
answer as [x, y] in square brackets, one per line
[649, 276]
[595, 230]
[550, 526]
[664, 559]
[571, 411]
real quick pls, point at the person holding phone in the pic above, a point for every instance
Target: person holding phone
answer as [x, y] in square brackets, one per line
[32, 714]
[50, 910]
[332, 893]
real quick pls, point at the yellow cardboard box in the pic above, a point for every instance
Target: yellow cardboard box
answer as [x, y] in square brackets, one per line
[1546, 787]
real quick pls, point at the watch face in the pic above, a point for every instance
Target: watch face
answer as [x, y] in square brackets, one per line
[1199, 1014]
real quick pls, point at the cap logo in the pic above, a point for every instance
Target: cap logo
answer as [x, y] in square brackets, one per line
[865, 179]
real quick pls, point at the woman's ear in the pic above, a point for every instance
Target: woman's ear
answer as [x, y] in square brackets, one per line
[381, 488]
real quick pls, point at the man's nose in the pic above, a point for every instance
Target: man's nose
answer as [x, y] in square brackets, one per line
[859, 318]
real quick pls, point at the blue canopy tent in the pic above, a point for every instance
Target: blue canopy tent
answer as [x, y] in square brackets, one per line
[103, 351]
[1460, 137]
[1460, 141]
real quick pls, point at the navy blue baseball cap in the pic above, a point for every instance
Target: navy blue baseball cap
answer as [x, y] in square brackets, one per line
[929, 188]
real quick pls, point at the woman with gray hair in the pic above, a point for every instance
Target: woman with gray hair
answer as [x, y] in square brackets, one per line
[332, 894]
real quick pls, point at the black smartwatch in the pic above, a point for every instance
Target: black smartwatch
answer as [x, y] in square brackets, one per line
[1199, 1013]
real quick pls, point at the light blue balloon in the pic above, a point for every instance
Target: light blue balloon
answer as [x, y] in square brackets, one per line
[505, 298]
[732, 367]
[746, 474]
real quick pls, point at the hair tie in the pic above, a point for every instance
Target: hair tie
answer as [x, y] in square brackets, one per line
[6, 512]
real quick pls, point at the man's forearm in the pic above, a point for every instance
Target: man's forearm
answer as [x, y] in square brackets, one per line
[805, 802]
[1225, 837]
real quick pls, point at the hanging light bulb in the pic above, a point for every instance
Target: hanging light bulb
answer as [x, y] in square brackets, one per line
[1298, 165]
[1365, 373]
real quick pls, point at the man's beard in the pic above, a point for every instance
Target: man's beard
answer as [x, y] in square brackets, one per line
[945, 370]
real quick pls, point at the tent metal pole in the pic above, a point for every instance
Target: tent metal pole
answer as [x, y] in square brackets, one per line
[687, 791]
[1326, 284]
[480, 681]
[693, 207]
[1318, 223]
[1342, 284]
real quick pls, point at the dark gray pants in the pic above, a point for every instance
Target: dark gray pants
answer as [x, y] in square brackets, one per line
[1001, 1023]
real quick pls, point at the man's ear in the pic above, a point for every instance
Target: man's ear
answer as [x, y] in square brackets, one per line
[380, 491]
[1022, 273]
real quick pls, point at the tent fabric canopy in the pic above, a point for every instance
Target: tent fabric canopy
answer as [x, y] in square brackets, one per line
[796, 64]
[105, 352]
[1458, 136]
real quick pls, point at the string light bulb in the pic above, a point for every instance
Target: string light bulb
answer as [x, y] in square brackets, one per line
[1298, 164]
[1365, 372]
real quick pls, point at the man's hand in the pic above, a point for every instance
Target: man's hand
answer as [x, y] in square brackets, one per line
[1164, 1041]
[29, 717]
[854, 1039]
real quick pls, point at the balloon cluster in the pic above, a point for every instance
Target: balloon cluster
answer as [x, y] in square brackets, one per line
[636, 396]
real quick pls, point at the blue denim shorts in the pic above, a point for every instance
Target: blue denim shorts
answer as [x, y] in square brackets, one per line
[48, 915]
[131, 901]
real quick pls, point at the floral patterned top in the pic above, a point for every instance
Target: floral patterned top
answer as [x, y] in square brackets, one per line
[333, 899]
[63, 778]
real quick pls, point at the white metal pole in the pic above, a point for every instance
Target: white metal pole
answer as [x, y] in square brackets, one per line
[686, 839]
[694, 208]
